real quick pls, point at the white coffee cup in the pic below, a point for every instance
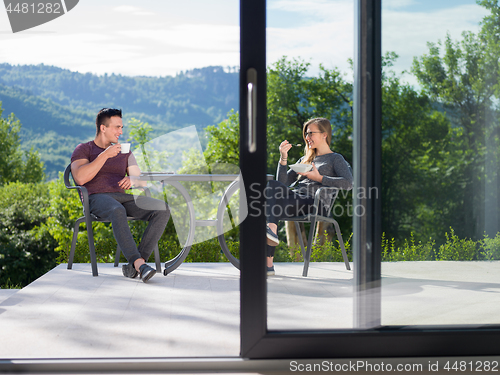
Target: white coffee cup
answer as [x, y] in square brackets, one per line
[125, 148]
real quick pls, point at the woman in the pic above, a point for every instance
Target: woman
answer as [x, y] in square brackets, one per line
[328, 169]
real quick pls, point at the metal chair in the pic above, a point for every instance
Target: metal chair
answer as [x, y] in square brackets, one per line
[88, 219]
[313, 219]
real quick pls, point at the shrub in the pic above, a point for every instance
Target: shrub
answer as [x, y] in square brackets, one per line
[283, 253]
[388, 248]
[326, 252]
[169, 247]
[104, 243]
[490, 247]
[410, 251]
[65, 208]
[331, 251]
[457, 249]
[26, 246]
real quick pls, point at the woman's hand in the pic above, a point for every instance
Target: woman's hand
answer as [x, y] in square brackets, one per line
[285, 146]
[313, 174]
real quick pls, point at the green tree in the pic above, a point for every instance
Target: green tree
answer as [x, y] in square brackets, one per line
[419, 179]
[139, 134]
[16, 165]
[463, 78]
[293, 98]
[223, 141]
[26, 246]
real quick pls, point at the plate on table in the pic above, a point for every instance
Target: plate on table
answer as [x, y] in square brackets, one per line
[301, 168]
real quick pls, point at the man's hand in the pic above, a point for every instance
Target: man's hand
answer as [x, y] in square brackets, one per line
[113, 150]
[126, 183]
[134, 172]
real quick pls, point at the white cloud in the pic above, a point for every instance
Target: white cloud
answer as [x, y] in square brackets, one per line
[71, 51]
[137, 55]
[132, 10]
[396, 4]
[316, 11]
[125, 9]
[327, 33]
[330, 45]
[319, 31]
[164, 64]
[201, 37]
[326, 36]
[407, 33]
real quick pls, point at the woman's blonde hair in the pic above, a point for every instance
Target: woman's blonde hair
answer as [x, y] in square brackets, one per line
[324, 126]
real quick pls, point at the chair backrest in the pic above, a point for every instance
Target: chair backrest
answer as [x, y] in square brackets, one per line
[334, 195]
[69, 185]
[67, 174]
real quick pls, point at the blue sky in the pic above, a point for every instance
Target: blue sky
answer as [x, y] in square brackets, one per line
[164, 37]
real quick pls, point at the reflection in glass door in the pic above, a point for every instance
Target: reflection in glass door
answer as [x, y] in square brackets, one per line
[309, 49]
[440, 163]
[369, 338]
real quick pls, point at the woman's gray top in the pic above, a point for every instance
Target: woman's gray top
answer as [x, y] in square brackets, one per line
[333, 167]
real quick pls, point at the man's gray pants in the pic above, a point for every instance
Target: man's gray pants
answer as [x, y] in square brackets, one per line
[115, 207]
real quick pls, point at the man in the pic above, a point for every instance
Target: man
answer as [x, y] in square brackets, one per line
[100, 166]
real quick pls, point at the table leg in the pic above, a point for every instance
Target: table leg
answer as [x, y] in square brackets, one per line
[226, 197]
[172, 264]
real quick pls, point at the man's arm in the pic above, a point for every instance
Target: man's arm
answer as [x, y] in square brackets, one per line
[83, 171]
[134, 171]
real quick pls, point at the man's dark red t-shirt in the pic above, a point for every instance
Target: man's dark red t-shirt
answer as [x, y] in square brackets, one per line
[113, 170]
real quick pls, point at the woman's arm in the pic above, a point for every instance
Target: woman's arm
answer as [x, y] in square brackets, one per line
[336, 173]
[284, 176]
[342, 170]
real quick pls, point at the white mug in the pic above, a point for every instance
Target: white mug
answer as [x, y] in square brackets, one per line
[125, 148]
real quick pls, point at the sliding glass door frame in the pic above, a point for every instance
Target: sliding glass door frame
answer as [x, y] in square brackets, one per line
[368, 338]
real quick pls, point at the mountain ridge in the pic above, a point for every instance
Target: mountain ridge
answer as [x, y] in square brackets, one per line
[57, 107]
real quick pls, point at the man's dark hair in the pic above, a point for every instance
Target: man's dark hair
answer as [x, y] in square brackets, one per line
[104, 115]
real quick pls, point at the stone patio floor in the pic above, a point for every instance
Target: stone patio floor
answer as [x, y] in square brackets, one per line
[194, 311]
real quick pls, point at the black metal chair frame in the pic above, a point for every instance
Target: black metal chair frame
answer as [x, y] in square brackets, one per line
[88, 218]
[313, 219]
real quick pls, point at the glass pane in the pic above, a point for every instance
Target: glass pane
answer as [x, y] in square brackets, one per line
[309, 47]
[173, 68]
[440, 159]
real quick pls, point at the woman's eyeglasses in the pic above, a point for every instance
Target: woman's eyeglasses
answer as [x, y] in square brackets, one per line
[309, 134]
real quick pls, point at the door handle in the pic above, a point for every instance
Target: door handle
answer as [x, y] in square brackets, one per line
[252, 109]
